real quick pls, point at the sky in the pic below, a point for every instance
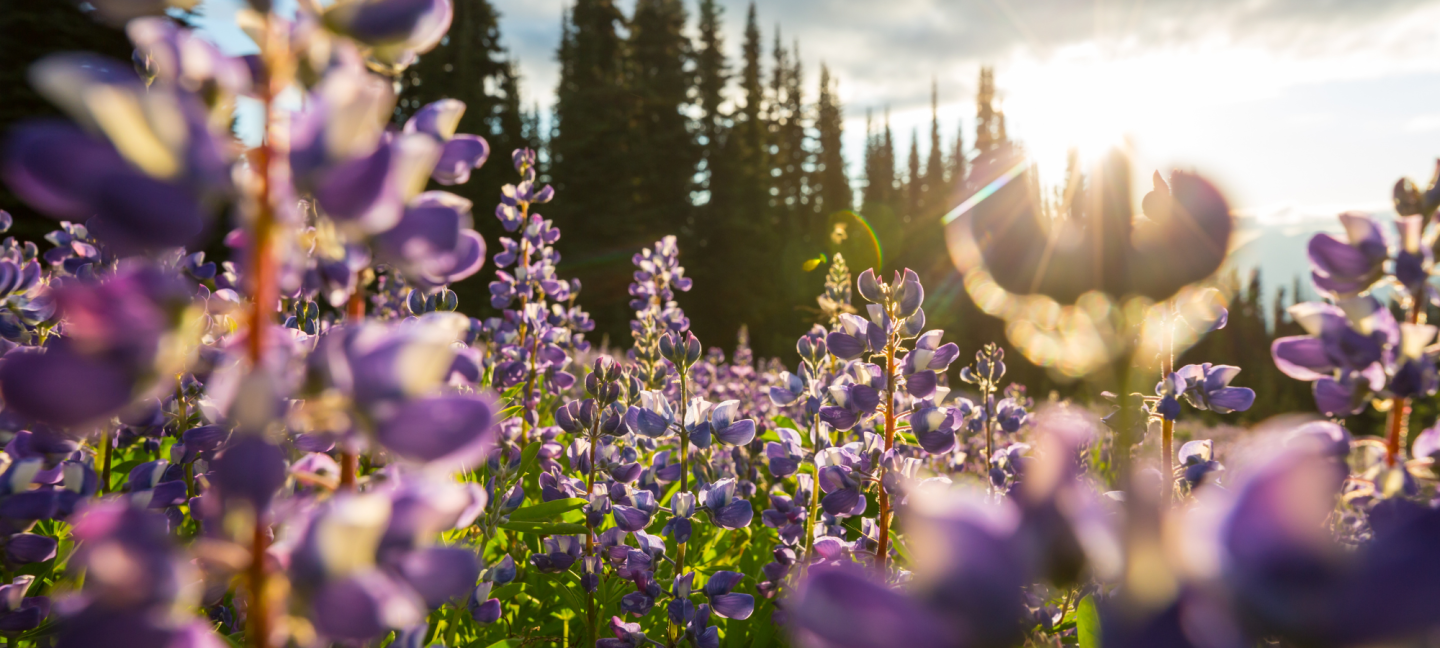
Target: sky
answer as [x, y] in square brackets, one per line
[1291, 105]
[1298, 109]
[1295, 107]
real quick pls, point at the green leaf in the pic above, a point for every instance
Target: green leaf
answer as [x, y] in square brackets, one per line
[545, 528]
[528, 455]
[505, 643]
[547, 510]
[1087, 623]
[785, 422]
[508, 412]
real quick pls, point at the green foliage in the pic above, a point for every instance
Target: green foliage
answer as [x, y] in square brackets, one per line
[1087, 623]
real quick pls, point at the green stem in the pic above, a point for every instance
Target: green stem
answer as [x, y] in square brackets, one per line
[105, 469]
[884, 547]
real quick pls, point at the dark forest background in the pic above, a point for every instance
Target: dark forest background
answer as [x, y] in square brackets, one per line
[656, 133]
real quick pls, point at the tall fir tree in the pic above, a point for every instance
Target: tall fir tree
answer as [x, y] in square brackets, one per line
[590, 159]
[711, 78]
[959, 165]
[663, 152]
[832, 184]
[748, 144]
[993, 149]
[914, 181]
[985, 118]
[789, 151]
[935, 194]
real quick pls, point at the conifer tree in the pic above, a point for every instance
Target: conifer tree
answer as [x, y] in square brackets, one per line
[711, 78]
[935, 192]
[664, 153]
[832, 185]
[985, 118]
[959, 167]
[590, 157]
[914, 182]
[748, 144]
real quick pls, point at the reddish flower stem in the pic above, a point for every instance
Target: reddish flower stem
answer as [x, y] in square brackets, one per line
[884, 548]
[264, 297]
[349, 460]
[1167, 426]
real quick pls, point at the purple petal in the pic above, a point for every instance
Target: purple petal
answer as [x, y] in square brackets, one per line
[630, 519]
[30, 548]
[921, 384]
[739, 433]
[1334, 399]
[487, 612]
[135, 212]
[457, 428]
[841, 607]
[866, 397]
[843, 502]
[722, 582]
[41, 385]
[461, 154]
[252, 469]
[733, 606]
[1338, 259]
[944, 356]
[440, 574]
[937, 441]
[1301, 357]
[838, 417]
[353, 607]
[736, 515]
[54, 166]
[868, 287]
[361, 190]
[1231, 399]
[844, 345]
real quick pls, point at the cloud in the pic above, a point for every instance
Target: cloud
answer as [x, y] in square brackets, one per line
[1423, 123]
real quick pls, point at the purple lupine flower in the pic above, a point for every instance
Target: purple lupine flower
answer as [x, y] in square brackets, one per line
[841, 487]
[719, 589]
[396, 30]
[364, 553]
[141, 191]
[786, 517]
[784, 457]
[110, 351]
[1197, 460]
[725, 427]
[1347, 268]
[726, 510]
[627, 635]
[1414, 260]
[461, 153]
[844, 607]
[129, 603]
[682, 505]
[852, 401]
[19, 613]
[922, 363]
[1208, 388]
[935, 427]
[637, 517]
[1352, 351]
[560, 553]
[856, 336]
